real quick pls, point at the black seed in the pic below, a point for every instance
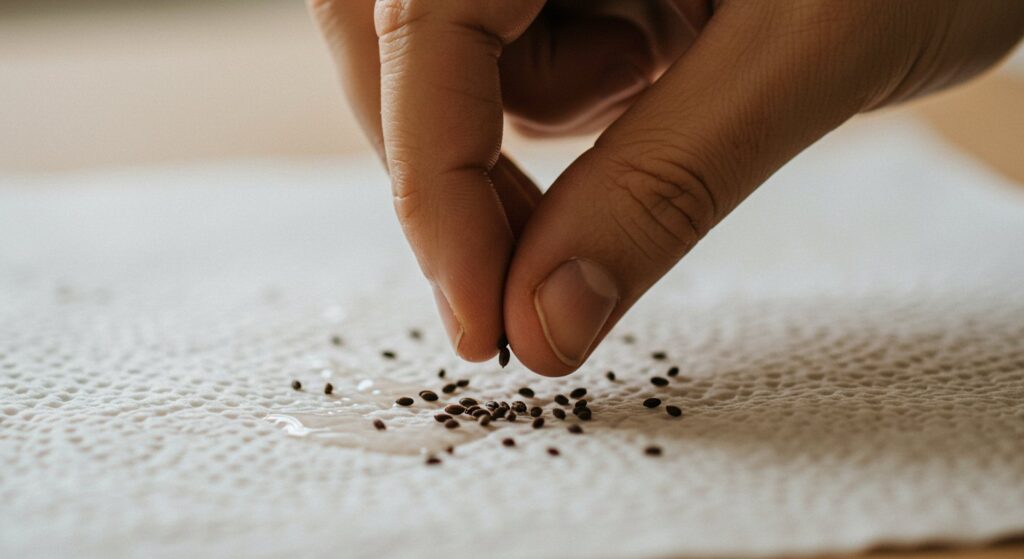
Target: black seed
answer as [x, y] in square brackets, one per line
[526, 392]
[674, 411]
[504, 355]
[379, 425]
[508, 442]
[659, 381]
[610, 375]
[441, 417]
[659, 355]
[473, 409]
[673, 371]
[478, 412]
[561, 400]
[499, 413]
[580, 404]
[576, 429]
[415, 334]
[578, 393]
[653, 451]
[485, 420]
[428, 395]
[404, 401]
[629, 339]
[454, 409]
[511, 416]
[388, 354]
[449, 388]
[450, 450]
[538, 423]
[468, 402]
[296, 385]
[440, 373]
[451, 424]
[519, 406]
[535, 411]
[583, 413]
[462, 382]
[491, 405]
[652, 403]
[328, 388]
[558, 412]
[505, 406]
[336, 340]
[433, 461]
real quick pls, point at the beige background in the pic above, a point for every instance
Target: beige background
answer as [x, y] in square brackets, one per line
[120, 84]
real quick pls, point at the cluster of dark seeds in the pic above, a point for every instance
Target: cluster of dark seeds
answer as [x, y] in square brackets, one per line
[660, 382]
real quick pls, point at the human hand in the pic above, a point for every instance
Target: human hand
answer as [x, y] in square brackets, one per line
[702, 102]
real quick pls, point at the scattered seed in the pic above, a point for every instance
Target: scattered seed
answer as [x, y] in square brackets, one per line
[296, 385]
[629, 339]
[578, 393]
[492, 405]
[449, 388]
[580, 404]
[659, 381]
[659, 355]
[471, 410]
[479, 412]
[583, 413]
[653, 451]
[526, 392]
[450, 450]
[673, 371]
[433, 461]
[468, 402]
[519, 406]
[535, 411]
[558, 412]
[388, 354]
[674, 411]
[553, 451]
[610, 375]
[511, 416]
[652, 403]
[454, 409]
[336, 340]
[499, 413]
[328, 388]
[462, 382]
[538, 423]
[428, 395]
[484, 420]
[404, 401]
[415, 334]
[441, 417]
[379, 425]
[508, 442]
[504, 356]
[441, 373]
[576, 429]
[451, 424]
[561, 400]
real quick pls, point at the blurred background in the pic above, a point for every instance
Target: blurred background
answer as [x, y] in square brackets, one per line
[101, 83]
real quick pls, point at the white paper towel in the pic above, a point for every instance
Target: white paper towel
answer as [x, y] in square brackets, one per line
[852, 342]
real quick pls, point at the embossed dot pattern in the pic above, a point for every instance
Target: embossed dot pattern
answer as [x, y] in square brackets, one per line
[855, 380]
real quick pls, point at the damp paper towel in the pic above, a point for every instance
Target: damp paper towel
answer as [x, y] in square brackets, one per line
[851, 347]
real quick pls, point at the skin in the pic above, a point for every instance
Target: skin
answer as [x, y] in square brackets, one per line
[697, 103]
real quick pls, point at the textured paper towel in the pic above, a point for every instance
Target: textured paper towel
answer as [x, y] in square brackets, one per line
[852, 342]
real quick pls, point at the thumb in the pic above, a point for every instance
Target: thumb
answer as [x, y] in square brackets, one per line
[748, 96]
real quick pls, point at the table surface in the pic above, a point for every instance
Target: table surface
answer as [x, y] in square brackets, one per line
[224, 91]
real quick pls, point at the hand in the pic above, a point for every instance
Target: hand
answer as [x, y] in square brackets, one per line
[702, 102]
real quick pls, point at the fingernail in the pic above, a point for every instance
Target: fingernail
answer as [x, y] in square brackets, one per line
[573, 304]
[451, 323]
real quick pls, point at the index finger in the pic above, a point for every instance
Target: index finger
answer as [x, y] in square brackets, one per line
[441, 115]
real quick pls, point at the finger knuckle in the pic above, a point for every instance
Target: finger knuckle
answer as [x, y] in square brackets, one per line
[667, 206]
